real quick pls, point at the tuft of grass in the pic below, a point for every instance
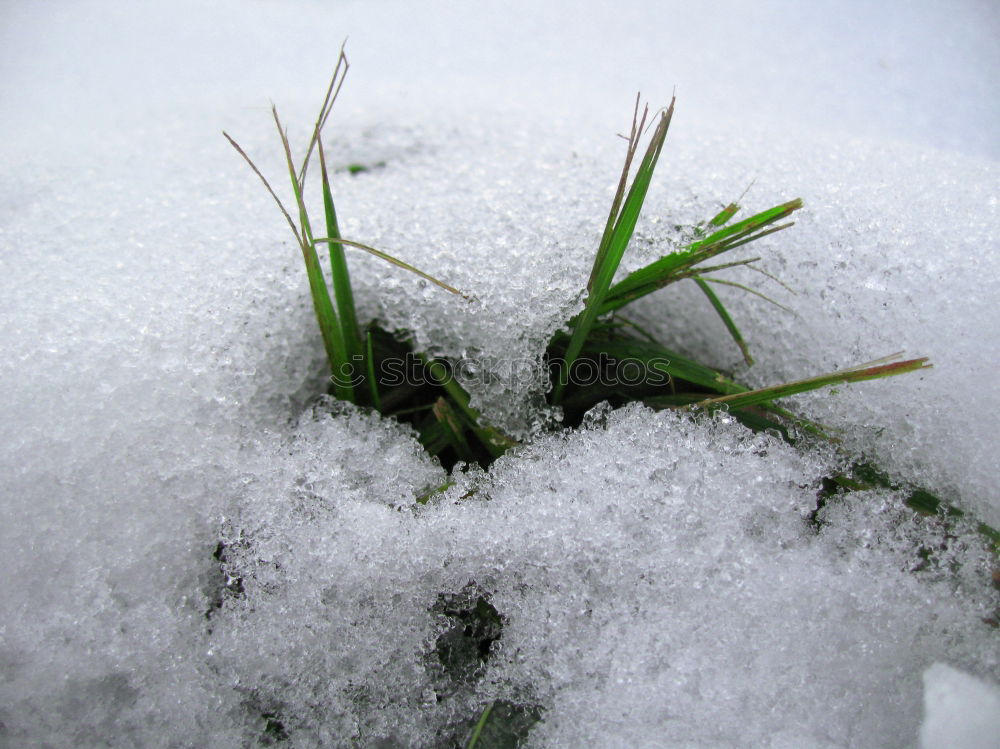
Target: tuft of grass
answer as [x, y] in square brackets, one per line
[599, 337]
[336, 315]
[618, 231]
[436, 405]
[597, 343]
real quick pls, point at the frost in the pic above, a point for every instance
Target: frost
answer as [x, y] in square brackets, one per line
[200, 550]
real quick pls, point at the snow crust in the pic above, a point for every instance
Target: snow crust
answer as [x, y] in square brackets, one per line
[663, 569]
[959, 710]
[197, 552]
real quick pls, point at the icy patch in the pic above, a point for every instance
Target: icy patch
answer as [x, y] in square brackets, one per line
[651, 574]
[316, 626]
[670, 571]
[162, 388]
[510, 208]
[876, 270]
[960, 710]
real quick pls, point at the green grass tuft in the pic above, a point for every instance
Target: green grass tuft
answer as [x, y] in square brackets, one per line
[437, 405]
[441, 412]
[599, 337]
[617, 232]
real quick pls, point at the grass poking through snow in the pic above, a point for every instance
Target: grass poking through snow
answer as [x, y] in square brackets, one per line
[437, 406]
[600, 337]
[600, 340]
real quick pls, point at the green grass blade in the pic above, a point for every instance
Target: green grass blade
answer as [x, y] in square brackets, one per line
[758, 418]
[749, 225]
[610, 254]
[422, 499]
[372, 381]
[332, 92]
[503, 725]
[326, 316]
[722, 218]
[495, 441]
[727, 320]
[677, 266]
[658, 358]
[633, 146]
[453, 429]
[434, 437]
[667, 269]
[342, 292]
[725, 239]
[390, 259]
[766, 395]
[748, 289]
[478, 729]
[865, 476]
[701, 270]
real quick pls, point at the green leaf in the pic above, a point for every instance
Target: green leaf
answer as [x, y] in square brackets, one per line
[768, 394]
[342, 291]
[615, 241]
[723, 313]
[326, 316]
[681, 264]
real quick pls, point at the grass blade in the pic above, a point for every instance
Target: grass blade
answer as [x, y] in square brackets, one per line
[495, 441]
[477, 731]
[727, 320]
[766, 395]
[332, 92]
[748, 289]
[453, 430]
[677, 265]
[270, 190]
[434, 438]
[424, 498]
[613, 246]
[326, 316]
[342, 292]
[722, 217]
[658, 358]
[633, 146]
[372, 382]
[390, 259]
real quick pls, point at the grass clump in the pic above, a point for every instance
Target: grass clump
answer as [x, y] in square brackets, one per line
[423, 393]
[585, 362]
[586, 359]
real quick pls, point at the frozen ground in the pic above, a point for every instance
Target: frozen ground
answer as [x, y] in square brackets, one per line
[659, 580]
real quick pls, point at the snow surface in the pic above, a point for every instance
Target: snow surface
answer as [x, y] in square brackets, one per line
[660, 579]
[961, 710]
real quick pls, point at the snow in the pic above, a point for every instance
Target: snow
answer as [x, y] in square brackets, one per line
[661, 580]
[960, 710]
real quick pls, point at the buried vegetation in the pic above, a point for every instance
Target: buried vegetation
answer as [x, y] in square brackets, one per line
[599, 356]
